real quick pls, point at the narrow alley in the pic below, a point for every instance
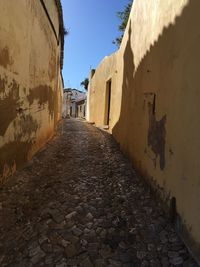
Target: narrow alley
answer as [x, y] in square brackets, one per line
[79, 203]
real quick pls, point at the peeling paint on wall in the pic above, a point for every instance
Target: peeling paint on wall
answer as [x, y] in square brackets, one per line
[29, 88]
[3, 82]
[11, 159]
[156, 135]
[25, 127]
[28, 124]
[5, 58]
[44, 95]
[52, 71]
[8, 106]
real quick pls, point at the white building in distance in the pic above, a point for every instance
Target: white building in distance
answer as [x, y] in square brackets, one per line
[74, 103]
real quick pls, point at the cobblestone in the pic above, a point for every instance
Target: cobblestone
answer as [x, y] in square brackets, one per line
[79, 203]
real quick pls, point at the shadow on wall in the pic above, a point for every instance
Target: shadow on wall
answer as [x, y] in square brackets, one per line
[159, 74]
[127, 93]
[157, 95]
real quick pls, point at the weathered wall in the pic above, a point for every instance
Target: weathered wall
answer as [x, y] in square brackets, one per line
[155, 102]
[81, 109]
[52, 9]
[30, 82]
[97, 91]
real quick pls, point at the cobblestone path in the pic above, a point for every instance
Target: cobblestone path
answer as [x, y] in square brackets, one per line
[79, 203]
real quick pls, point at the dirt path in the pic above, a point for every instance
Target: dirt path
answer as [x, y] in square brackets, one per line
[79, 203]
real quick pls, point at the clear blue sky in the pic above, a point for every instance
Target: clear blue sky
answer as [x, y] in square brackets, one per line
[92, 26]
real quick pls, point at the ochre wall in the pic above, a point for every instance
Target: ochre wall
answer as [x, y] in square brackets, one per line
[155, 102]
[30, 82]
[53, 13]
[97, 91]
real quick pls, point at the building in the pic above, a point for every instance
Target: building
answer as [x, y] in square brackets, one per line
[74, 103]
[148, 94]
[81, 105]
[31, 86]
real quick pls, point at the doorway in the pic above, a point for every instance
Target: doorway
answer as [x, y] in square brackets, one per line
[107, 102]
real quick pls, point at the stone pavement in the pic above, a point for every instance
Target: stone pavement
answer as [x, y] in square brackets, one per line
[79, 203]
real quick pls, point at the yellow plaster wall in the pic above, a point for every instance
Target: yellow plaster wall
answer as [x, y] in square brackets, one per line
[53, 13]
[29, 82]
[155, 102]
